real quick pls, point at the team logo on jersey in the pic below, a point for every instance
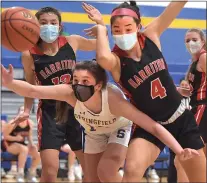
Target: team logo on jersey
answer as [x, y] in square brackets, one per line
[94, 122]
[143, 74]
[57, 66]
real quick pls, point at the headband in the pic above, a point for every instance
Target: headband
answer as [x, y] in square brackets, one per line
[124, 11]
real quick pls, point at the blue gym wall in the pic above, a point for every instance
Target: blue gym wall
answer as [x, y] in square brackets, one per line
[172, 40]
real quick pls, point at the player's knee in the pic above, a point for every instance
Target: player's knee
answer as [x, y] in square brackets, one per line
[50, 170]
[23, 149]
[134, 168]
[108, 167]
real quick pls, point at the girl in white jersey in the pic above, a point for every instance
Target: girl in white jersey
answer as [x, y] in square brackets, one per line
[98, 108]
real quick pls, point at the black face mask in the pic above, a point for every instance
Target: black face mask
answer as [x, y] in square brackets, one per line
[83, 92]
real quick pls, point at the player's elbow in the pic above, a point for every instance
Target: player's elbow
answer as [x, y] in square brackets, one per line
[104, 62]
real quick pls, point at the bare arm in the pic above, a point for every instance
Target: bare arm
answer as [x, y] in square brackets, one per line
[30, 137]
[61, 92]
[105, 58]
[8, 129]
[161, 23]
[80, 43]
[128, 111]
[28, 65]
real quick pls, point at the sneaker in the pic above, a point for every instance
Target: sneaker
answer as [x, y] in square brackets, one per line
[20, 178]
[32, 178]
[152, 175]
[71, 176]
[78, 172]
[11, 173]
[3, 173]
[121, 172]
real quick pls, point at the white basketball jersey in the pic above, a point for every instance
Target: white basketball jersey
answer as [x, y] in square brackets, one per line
[101, 123]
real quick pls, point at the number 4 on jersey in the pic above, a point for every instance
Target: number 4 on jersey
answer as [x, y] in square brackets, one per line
[157, 90]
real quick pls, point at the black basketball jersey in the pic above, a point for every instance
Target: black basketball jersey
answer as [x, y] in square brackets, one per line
[53, 70]
[197, 81]
[148, 82]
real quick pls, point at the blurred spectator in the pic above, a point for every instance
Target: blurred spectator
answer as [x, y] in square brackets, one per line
[74, 169]
[15, 143]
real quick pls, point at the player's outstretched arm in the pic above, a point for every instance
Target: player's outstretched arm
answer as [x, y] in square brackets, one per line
[58, 92]
[121, 107]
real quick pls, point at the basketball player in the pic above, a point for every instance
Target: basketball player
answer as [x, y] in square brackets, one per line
[138, 65]
[98, 107]
[14, 142]
[50, 63]
[195, 41]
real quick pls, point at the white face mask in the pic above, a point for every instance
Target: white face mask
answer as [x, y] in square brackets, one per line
[194, 46]
[125, 41]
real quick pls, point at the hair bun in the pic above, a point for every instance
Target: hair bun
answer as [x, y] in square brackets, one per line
[133, 3]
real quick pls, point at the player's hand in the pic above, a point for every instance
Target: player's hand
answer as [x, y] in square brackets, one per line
[6, 75]
[186, 92]
[20, 118]
[19, 138]
[187, 153]
[93, 13]
[93, 31]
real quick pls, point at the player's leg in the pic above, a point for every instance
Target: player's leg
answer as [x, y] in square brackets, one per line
[50, 137]
[74, 136]
[114, 156]
[189, 137]
[143, 150]
[93, 146]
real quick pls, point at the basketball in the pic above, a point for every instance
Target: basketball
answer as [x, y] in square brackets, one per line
[20, 29]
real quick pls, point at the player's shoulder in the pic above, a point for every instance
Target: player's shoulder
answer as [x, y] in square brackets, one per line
[114, 91]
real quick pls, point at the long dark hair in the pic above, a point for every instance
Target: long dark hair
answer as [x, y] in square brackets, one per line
[100, 75]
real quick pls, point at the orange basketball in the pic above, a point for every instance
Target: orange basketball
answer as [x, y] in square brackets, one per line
[19, 28]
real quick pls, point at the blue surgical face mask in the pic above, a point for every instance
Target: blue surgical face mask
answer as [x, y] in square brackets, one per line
[49, 33]
[125, 41]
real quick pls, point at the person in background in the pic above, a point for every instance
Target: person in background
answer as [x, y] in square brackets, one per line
[15, 143]
[74, 170]
[195, 41]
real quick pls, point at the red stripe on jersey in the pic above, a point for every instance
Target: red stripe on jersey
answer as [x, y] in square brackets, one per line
[202, 52]
[39, 121]
[62, 41]
[36, 51]
[126, 92]
[201, 93]
[199, 113]
[36, 79]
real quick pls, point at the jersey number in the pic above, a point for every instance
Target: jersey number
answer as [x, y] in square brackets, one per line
[157, 90]
[64, 79]
[121, 133]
